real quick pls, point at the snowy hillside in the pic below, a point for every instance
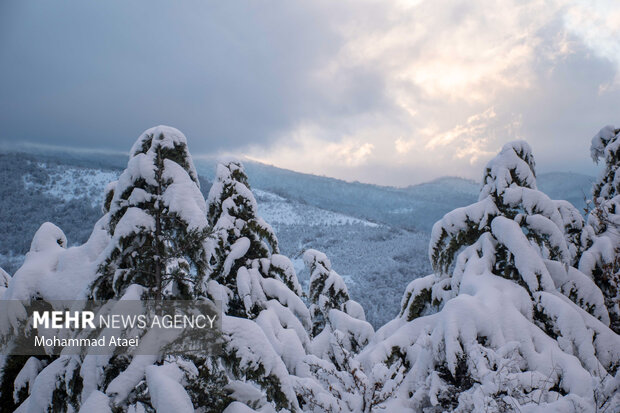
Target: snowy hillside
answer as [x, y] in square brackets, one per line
[68, 183]
[368, 231]
[278, 211]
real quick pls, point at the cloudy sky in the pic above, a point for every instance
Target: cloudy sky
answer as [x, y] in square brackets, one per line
[387, 92]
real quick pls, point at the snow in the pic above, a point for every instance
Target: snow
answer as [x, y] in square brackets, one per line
[285, 333]
[481, 213]
[97, 402]
[183, 196]
[277, 290]
[355, 310]
[579, 287]
[44, 385]
[490, 308]
[237, 251]
[163, 137]
[531, 266]
[124, 383]
[313, 259]
[249, 345]
[285, 272]
[26, 377]
[52, 272]
[48, 237]
[514, 157]
[132, 222]
[354, 328]
[166, 390]
[236, 407]
[600, 142]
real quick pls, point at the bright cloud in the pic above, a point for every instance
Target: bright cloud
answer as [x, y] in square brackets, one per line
[456, 77]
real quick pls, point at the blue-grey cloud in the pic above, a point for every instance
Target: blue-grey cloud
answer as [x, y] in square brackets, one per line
[226, 73]
[391, 92]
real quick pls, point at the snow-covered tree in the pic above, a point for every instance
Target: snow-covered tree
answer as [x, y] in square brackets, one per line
[158, 229]
[509, 191]
[339, 333]
[149, 244]
[601, 238]
[240, 235]
[505, 323]
[331, 308]
[606, 145]
[157, 221]
[265, 323]
[51, 271]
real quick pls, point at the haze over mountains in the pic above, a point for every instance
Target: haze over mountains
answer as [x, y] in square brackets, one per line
[368, 231]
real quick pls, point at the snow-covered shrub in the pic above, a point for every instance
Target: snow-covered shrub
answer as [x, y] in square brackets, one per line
[601, 258]
[505, 323]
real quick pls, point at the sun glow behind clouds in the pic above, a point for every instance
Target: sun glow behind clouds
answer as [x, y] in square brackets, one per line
[384, 91]
[453, 75]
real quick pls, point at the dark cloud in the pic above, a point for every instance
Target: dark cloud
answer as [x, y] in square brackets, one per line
[96, 74]
[322, 87]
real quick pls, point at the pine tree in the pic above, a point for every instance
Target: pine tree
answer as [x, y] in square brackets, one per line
[339, 333]
[158, 229]
[265, 322]
[509, 191]
[240, 236]
[601, 237]
[505, 322]
[157, 221]
[331, 308]
[154, 226]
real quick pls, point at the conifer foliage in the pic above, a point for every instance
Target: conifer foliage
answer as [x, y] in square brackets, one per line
[240, 235]
[266, 322]
[601, 238]
[157, 221]
[505, 323]
[332, 310]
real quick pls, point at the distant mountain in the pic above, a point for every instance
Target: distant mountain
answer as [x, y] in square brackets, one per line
[376, 237]
[414, 208]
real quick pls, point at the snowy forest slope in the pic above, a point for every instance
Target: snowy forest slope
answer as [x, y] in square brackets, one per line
[386, 229]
